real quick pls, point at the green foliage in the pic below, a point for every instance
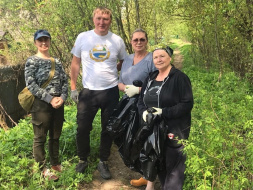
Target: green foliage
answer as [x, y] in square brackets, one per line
[220, 143]
[65, 19]
[222, 33]
[19, 170]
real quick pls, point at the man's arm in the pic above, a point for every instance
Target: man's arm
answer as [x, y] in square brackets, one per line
[75, 69]
[119, 65]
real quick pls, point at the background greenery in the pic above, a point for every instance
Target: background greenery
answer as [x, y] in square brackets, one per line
[218, 61]
[221, 31]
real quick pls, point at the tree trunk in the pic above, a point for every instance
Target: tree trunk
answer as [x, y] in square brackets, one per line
[128, 19]
[217, 41]
[137, 13]
[122, 31]
[155, 27]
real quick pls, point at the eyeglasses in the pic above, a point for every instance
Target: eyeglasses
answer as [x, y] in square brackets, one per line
[139, 40]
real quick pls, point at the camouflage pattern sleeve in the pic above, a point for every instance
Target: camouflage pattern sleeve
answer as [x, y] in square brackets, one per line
[64, 83]
[36, 74]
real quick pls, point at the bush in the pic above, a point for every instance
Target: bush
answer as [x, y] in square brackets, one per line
[219, 150]
[19, 170]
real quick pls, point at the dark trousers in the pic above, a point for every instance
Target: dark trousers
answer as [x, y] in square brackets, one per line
[89, 101]
[172, 178]
[46, 119]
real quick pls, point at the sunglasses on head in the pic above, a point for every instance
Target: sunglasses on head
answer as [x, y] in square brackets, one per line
[141, 40]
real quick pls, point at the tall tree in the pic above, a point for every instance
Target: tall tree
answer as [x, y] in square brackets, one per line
[138, 20]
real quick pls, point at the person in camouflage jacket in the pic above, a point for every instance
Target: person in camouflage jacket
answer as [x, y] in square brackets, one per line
[48, 107]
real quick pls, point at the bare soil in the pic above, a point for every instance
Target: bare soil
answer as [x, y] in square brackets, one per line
[121, 175]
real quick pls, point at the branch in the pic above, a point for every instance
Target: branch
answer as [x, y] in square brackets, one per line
[7, 114]
[213, 109]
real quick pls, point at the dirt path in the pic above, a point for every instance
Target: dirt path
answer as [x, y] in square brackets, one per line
[178, 59]
[121, 175]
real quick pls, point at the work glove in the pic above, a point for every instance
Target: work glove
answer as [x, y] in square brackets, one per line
[74, 96]
[158, 111]
[144, 115]
[131, 90]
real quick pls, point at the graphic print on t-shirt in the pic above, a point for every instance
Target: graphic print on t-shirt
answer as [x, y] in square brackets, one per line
[151, 97]
[99, 53]
[153, 91]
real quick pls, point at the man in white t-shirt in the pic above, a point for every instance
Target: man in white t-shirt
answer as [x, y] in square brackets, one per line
[99, 51]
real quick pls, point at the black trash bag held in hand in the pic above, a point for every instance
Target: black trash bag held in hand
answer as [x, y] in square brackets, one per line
[149, 143]
[126, 148]
[119, 120]
[126, 140]
[151, 156]
[145, 129]
[123, 124]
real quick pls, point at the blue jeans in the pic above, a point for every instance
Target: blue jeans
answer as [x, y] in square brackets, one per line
[89, 101]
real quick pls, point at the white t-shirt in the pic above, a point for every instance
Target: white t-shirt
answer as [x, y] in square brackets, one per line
[99, 56]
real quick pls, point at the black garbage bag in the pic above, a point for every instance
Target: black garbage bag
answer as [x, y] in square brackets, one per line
[131, 130]
[122, 126]
[125, 149]
[151, 156]
[148, 165]
[120, 118]
[124, 122]
[149, 161]
[145, 129]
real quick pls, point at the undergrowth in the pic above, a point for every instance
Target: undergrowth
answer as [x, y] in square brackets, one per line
[18, 169]
[220, 146]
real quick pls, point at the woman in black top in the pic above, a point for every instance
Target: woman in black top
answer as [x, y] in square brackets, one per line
[48, 107]
[169, 92]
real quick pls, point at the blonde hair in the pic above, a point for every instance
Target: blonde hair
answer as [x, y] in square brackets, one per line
[140, 30]
[103, 10]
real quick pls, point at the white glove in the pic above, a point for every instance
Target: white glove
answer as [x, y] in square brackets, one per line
[131, 90]
[144, 115]
[74, 96]
[158, 111]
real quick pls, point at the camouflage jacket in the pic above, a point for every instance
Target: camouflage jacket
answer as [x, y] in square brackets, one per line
[36, 74]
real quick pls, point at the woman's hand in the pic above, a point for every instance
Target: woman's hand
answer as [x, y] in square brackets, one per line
[144, 115]
[132, 90]
[158, 111]
[56, 102]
